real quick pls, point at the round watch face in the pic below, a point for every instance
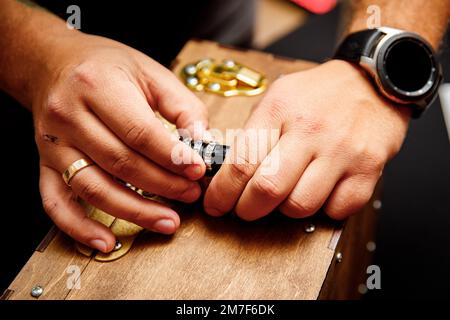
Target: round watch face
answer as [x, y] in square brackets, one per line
[407, 67]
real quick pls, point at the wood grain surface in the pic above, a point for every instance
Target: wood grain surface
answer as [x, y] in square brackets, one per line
[208, 258]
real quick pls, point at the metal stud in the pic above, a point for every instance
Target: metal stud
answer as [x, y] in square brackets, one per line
[377, 204]
[190, 69]
[310, 228]
[229, 63]
[37, 291]
[118, 245]
[362, 288]
[214, 86]
[192, 81]
[371, 246]
[339, 257]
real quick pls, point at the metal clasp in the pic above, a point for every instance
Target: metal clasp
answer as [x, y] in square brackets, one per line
[227, 78]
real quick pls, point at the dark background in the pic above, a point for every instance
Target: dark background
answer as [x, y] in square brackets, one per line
[413, 240]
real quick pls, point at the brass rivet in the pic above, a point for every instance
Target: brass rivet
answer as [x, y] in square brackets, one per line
[339, 257]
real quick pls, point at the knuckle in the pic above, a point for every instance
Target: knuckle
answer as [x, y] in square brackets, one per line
[276, 108]
[348, 205]
[371, 160]
[342, 143]
[137, 216]
[122, 165]
[300, 208]
[267, 187]
[337, 212]
[56, 108]
[86, 74]
[312, 126]
[376, 159]
[243, 171]
[308, 125]
[92, 192]
[137, 135]
[243, 163]
[173, 190]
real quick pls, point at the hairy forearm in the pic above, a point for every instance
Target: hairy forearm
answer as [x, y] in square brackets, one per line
[27, 38]
[426, 18]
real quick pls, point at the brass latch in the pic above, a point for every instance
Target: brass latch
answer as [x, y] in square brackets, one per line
[227, 78]
[126, 232]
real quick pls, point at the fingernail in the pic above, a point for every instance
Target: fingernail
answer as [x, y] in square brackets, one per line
[193, 171]
[166, 226]
[213, 211]
[191, 194]
[98, 244]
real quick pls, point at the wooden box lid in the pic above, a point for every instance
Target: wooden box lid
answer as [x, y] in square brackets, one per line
[208, 258]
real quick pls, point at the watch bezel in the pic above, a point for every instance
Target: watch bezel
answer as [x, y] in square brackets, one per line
[388, 86]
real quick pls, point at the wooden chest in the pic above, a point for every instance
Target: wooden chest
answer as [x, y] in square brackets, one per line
[216, 258]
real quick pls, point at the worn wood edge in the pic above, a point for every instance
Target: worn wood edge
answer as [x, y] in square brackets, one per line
[335, 237]
[328, 290]
[47, 239]
[25, 277]
[6, 294]
[335, 244]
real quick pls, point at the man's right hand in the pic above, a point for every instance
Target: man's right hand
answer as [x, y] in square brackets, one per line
[96, 100]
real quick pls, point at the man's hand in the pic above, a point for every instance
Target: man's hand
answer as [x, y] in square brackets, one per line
[336, 134]
[97, 100]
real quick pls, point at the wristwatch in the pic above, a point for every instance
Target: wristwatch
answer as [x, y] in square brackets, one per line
[402, 64]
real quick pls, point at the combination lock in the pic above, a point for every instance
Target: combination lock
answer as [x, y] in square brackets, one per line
[212, 153]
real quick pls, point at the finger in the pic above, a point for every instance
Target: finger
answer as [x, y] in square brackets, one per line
[350, 195]
[312, 190]
[100, 190]
[275, 178]
[124, 109]
[112, 155]
[247, 152]
[60, 204]
[177, 103]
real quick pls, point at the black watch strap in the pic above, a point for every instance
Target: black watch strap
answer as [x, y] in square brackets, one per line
[358, 44]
